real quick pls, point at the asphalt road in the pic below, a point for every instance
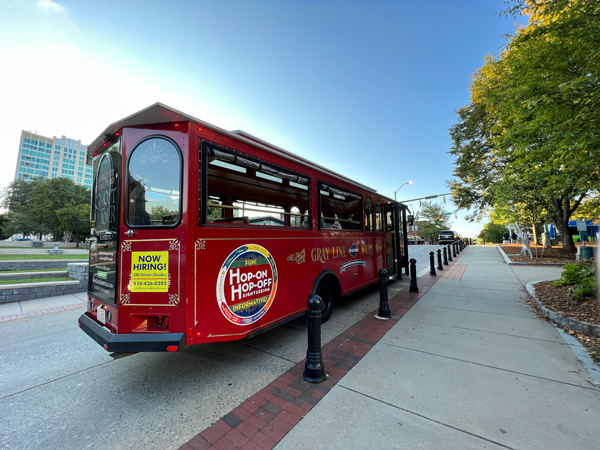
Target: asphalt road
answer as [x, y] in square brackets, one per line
[421, 254]
[59, 389]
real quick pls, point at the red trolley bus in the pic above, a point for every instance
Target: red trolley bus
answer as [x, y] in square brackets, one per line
[203, 235]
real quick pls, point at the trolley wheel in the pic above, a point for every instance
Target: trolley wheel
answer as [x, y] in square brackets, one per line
[327, 293]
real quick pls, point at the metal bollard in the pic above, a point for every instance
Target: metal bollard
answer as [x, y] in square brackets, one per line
[384, 306]
[432, 264]
[449, 255]
[314, 370]
[413, 276]
[454, 249]
[445, 257]
[440, 267]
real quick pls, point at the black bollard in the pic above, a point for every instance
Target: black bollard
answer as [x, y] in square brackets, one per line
[440, 267]
[384, 307]
[458, 247]
[445, 257]
[314, 370]
[454, 249]
[413, 276]
[449, 255]
[432, 264]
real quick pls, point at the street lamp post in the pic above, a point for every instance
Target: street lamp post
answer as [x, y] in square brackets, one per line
[395, 192]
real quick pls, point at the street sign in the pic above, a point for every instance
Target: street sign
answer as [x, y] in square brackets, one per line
[447, 214]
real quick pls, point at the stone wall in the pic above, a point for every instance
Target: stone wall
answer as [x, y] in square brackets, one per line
[37, 264]
[31, 291]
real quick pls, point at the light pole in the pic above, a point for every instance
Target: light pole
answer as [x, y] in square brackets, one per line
[395, 192]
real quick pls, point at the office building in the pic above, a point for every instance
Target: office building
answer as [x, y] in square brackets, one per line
[52, 157]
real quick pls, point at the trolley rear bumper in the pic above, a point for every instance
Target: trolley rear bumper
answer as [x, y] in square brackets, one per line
[130, 343]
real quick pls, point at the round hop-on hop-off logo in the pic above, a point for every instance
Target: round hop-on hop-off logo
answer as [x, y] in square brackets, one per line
[247, 284]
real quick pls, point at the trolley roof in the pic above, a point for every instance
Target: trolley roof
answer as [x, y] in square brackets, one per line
[160, 113]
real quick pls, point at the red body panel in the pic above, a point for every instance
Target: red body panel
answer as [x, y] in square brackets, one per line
[200, 266]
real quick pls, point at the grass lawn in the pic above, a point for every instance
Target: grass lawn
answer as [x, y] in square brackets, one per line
[57, 269]
[41, 257]
[34, 280]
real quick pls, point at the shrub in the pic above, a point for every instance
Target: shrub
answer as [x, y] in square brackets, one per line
[580, 275]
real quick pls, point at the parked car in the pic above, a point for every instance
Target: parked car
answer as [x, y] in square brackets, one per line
[447, 237]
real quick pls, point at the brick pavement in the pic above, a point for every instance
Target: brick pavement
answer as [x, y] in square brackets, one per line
[261, 421]
[41, 311]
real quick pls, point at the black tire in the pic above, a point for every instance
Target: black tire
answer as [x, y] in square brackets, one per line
[327, 293]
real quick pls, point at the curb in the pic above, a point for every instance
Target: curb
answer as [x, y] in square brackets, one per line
[40, 312]
[582, 327]
[508, 261]
[592, 368]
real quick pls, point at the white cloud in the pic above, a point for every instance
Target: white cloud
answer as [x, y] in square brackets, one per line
[48, 5]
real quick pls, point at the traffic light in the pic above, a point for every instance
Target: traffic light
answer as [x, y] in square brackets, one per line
[439, 217]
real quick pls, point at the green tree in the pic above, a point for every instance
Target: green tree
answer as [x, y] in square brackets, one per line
[3, 222]
[15, 196]
[33, 205]
[75, 221]
[588, 210]
[23, 223]
[493, 232]
[49, 196]
[429, 223]
[530, 133]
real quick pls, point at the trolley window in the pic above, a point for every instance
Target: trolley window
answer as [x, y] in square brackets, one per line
[242, 190]
[339, 208]
[154, 184]
[369, 228]
[379, 216]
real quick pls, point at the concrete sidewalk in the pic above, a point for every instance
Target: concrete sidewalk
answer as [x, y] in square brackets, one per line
[47, 305]
[465, 363]
[469, 366]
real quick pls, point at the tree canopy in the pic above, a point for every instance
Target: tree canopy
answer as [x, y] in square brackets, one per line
[530, 134]
[430, 225]
[43, 206]
[493, 232]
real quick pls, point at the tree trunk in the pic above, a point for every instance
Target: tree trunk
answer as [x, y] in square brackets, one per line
[560, 212]
[566, 236]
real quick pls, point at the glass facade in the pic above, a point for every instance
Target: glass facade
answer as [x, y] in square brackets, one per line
[66, 157]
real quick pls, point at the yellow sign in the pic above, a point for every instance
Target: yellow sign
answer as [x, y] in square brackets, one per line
[150, 272]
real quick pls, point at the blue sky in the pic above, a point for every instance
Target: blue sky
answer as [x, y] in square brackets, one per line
[367, 89]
